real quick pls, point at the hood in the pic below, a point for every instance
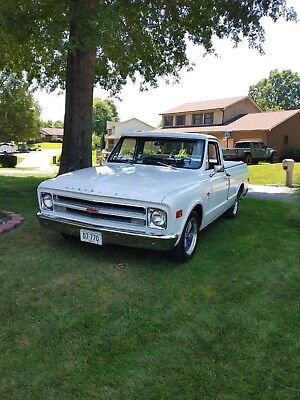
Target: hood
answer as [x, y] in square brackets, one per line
[134, 182]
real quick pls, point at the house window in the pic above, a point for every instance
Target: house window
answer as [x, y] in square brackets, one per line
[168, 120]
[285, 139]
[208, 118]
[109, 131]
[180, 120]
[197, 119]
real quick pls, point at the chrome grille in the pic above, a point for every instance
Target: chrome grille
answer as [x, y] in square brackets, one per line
[101, 211]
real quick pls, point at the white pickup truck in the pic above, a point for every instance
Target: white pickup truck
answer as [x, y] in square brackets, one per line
[157, 190]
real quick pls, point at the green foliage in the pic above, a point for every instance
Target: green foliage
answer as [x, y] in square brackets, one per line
[98, 141]
[145, 39]
[8, 160]
[52, 124]
[292, 153]
[58, 124]
[182, 153]
[19, 112]
[280, 91]
[103, 111]
[112, 41]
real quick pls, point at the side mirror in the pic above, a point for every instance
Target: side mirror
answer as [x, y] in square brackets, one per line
[219, 168]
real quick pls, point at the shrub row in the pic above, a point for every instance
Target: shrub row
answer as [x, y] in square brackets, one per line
[292, 153]
[8, 161]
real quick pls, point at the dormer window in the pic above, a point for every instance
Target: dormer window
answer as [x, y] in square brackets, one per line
[208, 118]
[180, 120]
[197, 119]
[168, 120]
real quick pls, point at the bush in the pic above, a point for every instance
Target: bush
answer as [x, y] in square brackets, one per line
[292, 153]
[8, 161]
[98, 141]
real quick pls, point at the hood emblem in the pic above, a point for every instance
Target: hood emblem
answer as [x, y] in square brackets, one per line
[91, 210]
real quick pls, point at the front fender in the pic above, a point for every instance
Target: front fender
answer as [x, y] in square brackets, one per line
[186, 201]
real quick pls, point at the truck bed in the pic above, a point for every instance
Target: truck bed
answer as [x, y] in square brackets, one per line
[231, 164]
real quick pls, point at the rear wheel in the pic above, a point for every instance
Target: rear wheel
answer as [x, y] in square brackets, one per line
[248, 159]
[274, 158]
[186, 247]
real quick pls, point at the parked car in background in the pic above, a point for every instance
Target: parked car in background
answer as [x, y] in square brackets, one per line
[250, 153]
[157, 190]
[8, 148]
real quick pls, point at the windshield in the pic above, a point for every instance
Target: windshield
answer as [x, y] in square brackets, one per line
[181, 153]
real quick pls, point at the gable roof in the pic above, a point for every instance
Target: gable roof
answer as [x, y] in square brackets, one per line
[52, 131]
[111, 124]
[208, 105]
[264, 121]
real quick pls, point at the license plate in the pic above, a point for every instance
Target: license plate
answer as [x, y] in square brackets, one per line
[91, 237]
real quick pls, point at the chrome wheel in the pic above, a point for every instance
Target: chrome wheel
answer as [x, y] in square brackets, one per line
[190, 236]
[235, 207]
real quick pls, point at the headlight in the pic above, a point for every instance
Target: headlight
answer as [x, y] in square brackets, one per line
[157, 218]
[47, 201]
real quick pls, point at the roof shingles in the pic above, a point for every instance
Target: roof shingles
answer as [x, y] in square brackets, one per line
[205, 105]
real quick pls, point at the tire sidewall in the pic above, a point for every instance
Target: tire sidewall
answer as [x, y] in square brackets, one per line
[179, 253]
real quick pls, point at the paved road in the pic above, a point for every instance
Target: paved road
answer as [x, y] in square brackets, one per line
[38, 159]
[272, 192]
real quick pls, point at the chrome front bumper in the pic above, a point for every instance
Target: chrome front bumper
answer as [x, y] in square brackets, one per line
[113, 236]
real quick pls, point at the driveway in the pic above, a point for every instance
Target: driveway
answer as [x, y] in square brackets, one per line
[39, 160]
[272, 192]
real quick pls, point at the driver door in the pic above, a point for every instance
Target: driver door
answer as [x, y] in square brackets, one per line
[219, 182]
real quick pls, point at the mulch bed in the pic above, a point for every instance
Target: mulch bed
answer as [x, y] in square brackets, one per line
[9, 221]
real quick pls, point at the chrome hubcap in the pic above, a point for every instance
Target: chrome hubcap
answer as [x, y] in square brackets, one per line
[235, 207]
[190, 236]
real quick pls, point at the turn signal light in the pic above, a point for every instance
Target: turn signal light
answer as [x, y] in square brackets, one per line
[179, 214]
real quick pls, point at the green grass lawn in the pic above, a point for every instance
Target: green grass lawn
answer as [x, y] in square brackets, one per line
[271, 174]
[48, 145]
[83, 322]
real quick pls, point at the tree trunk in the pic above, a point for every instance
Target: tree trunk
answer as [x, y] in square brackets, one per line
[80, 78]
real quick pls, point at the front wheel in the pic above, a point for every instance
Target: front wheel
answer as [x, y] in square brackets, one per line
[233, 210]
[185, 249]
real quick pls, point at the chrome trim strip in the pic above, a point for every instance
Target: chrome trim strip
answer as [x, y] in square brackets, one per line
[100, 201]
[107, 211]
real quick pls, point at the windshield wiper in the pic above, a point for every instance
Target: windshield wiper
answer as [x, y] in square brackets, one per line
[157, 162]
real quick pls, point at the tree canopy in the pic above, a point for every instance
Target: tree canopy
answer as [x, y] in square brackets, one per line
[103, 111]
[19, 112]
[279, 91]
[52, 124]
[77, 43]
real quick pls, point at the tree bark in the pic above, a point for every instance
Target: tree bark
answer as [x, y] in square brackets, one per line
[80, 78]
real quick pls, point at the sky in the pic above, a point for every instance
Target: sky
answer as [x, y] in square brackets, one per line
[228, 75]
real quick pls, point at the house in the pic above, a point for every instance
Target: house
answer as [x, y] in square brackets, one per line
[52, 134]
[234, 119]
[115, 129]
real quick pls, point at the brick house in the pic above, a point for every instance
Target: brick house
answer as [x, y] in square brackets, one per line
[241, 117]
[52, 134]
